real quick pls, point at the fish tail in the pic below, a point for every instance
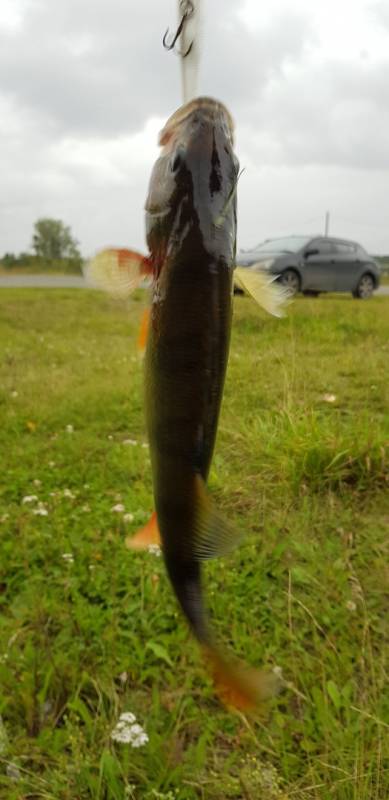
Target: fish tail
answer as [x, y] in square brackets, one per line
[237, 685]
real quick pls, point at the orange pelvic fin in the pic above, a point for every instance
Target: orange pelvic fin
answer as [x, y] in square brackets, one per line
[238, 686]
[144, 329]
[146, 536]
[118, 271]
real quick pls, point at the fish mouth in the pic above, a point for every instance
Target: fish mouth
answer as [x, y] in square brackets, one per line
[201, 110]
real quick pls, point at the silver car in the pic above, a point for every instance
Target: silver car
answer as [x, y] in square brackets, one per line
[314, 264]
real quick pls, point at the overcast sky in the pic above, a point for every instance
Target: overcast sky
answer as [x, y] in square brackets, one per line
[85, 86]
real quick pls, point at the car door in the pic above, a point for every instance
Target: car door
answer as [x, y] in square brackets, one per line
[347, 266]
[320, 266]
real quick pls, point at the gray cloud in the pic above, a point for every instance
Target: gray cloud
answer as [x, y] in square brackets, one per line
[79, 80]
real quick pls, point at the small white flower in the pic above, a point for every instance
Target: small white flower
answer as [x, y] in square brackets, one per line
[69, 429]
[37, 482]
[69, 557]
[128, 517]
[145, 446]
[118, 509]
[132, 442]
[277, 671]
[128, 717]
[30, 498]
[85, 508]
[41, 511]
[110, 437]
[351, 606]
[51, 463]
[14, 393]
[123, 678]
[127, 731]
[92, 567]
[329, 398]
[154, 549]
[68, 493]
[4, 517]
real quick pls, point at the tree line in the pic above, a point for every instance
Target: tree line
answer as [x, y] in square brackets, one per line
[53, 248]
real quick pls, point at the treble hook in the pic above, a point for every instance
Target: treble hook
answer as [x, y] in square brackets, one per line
[187, 11]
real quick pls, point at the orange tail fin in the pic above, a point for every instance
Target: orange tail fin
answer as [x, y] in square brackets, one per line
[239, 686]
[146, 536]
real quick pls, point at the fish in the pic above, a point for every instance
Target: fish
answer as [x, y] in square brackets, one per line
[191, 228]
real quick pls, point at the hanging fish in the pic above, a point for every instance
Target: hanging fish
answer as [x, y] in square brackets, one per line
[191, 234]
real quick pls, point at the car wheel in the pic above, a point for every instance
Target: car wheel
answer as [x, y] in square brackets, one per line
[365, 287]
[291, 280]
[311, 293]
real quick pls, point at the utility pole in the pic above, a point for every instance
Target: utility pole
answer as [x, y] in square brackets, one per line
[327, 226]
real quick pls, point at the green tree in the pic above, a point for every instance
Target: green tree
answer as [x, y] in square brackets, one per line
[53, 240]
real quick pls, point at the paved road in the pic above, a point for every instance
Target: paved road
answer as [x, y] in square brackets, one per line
[69, 282]
[42, 281]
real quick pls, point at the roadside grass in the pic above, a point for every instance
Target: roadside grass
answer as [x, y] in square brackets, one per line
[89, 630]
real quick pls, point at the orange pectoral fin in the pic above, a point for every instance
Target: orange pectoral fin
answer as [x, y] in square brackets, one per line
[118, 271]
[146, 536]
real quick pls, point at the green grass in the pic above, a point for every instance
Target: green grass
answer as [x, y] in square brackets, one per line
[301, 466]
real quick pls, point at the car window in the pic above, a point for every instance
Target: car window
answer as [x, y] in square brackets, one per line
[323, 246]
[345, 249]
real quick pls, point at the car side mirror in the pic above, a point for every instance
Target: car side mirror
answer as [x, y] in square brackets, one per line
[311, 253]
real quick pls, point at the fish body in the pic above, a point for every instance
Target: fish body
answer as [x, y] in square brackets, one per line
[191, 233]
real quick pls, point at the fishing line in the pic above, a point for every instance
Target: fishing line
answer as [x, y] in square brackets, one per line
[187, 34]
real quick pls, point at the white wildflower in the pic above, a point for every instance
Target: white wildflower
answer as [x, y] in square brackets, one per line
[14, 393]
[85, 508]
[118, 508]
[30, 498]
[51, 463]
[123, 677]
[69, 557]
[69, 429]
[128, 717]
[351, 606]
[4, 517]
[110, 437]
[128, 517]
[40, 511]
[127, 731]
[329, 398]
[154, 549]
[145, 446]
[37, 482]
[68, 493]
[277, 671]
[132, 442]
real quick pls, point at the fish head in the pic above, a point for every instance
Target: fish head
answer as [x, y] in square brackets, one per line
[193, 184]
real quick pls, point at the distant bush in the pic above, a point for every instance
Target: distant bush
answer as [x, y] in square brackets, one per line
[36, 264]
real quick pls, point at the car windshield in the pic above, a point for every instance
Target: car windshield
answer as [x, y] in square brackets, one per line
[287, 244]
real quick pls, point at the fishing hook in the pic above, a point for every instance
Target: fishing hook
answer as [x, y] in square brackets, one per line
[187, 9]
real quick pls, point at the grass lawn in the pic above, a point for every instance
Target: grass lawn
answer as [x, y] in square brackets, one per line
[90, 630]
